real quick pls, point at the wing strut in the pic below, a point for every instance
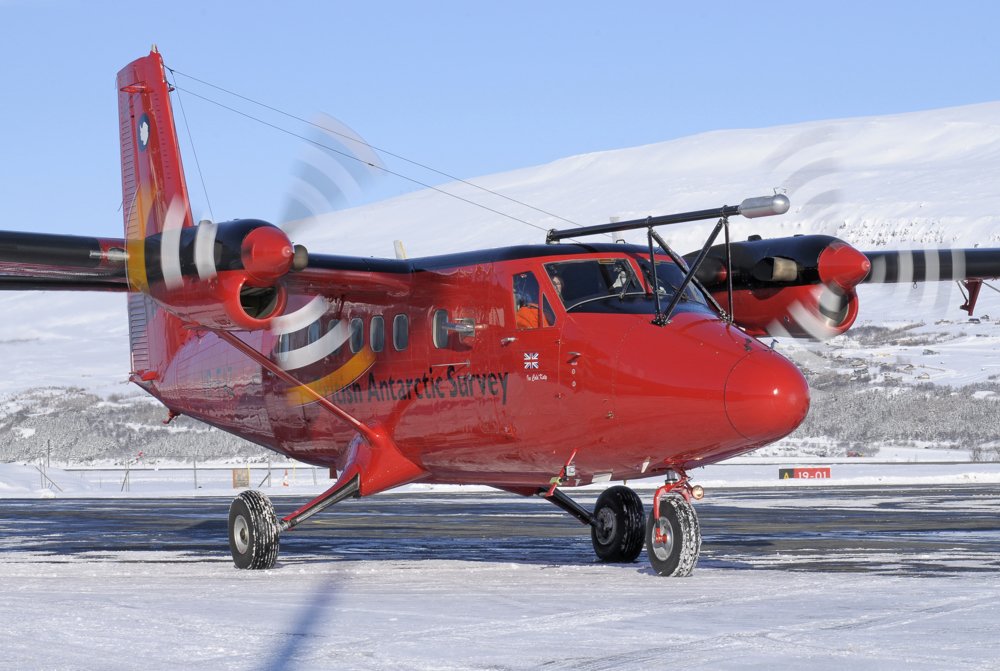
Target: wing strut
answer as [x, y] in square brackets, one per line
[374, 461]
[362, 428]
[973, 286]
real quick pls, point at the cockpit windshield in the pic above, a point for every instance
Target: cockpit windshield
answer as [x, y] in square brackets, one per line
[610, 285]
[669, 278]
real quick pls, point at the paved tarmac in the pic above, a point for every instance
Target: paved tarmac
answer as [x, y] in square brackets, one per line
[904, 530]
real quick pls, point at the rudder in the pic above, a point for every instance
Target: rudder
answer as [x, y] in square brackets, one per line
[154, 193]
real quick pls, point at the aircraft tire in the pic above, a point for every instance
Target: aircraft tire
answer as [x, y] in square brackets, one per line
[617, 534]
[678, 555]
[253, 531]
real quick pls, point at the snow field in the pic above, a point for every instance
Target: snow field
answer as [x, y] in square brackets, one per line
[111, 611]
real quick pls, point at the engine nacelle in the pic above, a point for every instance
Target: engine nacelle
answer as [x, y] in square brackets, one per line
[802, 286]
[815, 311]
[221, 276]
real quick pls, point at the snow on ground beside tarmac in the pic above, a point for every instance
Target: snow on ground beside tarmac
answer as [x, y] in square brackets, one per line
[160, 611]
[183, 480]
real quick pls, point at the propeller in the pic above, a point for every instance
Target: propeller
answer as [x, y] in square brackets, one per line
[806, 159]
[337, 168]
[809, 159]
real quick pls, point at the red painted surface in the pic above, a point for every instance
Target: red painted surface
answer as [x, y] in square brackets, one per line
[503, 405]
[267, 256]
[843, 265]
[794, 310]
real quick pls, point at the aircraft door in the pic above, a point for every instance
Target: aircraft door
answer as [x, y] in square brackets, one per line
[530, 352]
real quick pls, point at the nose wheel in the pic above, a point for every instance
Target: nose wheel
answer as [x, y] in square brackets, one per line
[673, 535]
[673, 540]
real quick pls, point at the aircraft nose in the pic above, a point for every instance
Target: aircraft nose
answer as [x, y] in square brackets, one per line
[766, 396]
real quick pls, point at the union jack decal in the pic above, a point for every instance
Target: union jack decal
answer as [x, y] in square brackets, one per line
[530, 360]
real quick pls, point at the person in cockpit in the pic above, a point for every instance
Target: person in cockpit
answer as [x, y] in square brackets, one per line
[557, 283]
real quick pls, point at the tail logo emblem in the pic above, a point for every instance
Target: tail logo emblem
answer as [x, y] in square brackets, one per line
[143, 131]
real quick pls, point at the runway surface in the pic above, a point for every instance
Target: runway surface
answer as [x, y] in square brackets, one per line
[900, 530]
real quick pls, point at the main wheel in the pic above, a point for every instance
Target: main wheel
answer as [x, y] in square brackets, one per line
[677, 553]
[253, 531]
[618, 525]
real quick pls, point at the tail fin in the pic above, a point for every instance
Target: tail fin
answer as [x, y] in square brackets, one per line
[154, 195]
[154, 201]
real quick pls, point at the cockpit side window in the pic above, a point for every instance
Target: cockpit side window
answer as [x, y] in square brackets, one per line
[548, 314]
[526, 292]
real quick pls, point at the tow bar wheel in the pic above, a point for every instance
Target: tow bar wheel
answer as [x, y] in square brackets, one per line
[674, 551]
[253, 531]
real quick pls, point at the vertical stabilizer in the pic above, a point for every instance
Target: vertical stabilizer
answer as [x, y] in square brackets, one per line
[154, 195]
[154, 202]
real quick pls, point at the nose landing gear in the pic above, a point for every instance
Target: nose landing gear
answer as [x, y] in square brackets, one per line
[619, 527]
[673, 535]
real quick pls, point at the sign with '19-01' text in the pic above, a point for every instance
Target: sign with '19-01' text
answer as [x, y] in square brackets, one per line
[806, 473]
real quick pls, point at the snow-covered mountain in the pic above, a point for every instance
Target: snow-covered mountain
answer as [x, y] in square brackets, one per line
[923, 179]
[918, 178]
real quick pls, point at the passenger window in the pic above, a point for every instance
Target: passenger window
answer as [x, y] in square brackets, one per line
[400, 332]
[313, 335]
[526, 301]
[378, 333]
[357, 335]
[440, 332]
[283, 345]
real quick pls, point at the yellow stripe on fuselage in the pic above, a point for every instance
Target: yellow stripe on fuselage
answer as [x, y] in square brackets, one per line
[335, 381]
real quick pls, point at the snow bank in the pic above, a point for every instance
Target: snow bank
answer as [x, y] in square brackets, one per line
[25, 481]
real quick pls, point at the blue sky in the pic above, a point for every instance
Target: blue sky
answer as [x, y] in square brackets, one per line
[470, 88]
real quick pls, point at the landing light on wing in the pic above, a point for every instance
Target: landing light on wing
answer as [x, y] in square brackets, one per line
[764, 206]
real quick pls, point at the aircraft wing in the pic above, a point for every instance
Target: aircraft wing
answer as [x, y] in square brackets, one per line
[61, 262]
[804, 286]
[932, 265]
[42, 261]
[353, 277]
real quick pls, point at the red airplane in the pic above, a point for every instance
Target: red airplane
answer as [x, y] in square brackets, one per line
[530, 369]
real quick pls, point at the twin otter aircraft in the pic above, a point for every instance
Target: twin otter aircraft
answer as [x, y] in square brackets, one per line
[530, 369]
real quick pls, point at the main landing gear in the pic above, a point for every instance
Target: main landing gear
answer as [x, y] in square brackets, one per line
[254, 528]
[253, 531]
[619, 527]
